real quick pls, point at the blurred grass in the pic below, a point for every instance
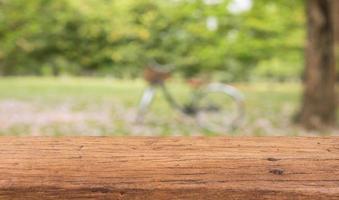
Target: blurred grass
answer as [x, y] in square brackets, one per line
[270, 106]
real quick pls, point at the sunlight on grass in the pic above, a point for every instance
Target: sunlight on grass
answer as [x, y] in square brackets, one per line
[105, 106]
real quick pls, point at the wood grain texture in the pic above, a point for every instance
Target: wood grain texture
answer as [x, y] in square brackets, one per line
[169, 168]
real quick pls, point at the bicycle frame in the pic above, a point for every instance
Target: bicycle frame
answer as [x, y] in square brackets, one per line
[187, 109]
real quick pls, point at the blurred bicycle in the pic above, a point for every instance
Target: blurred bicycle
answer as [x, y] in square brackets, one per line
[215, 107]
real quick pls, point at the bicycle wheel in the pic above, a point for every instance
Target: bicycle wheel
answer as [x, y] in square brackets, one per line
[220, 108]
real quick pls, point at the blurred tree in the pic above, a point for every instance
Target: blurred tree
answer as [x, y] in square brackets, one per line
[101, 37]
[335, 12]
[319, 103]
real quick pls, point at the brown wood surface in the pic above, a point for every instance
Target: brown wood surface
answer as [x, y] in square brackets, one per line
[169, 168]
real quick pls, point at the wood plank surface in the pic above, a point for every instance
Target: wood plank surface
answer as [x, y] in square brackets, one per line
[169, 168]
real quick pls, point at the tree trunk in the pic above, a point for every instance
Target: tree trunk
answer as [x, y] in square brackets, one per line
[335, 11]
[319, 104]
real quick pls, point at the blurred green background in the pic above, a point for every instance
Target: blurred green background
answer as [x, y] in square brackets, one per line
[73, 67]
[238, 40]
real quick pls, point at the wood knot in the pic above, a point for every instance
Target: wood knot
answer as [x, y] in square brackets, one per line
[273, 159]
[277, 171]
[100, 190]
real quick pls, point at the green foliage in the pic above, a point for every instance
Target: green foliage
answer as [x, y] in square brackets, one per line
[119, 38]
